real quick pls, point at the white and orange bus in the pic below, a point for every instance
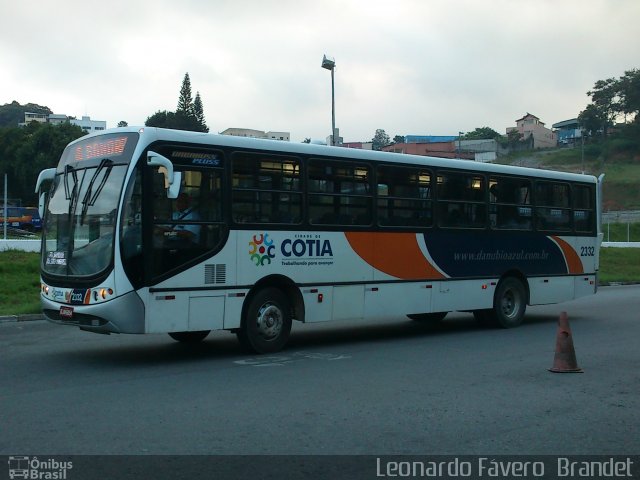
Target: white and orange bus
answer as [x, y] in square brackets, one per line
[150, 231]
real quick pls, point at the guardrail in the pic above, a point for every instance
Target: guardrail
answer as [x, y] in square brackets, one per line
[621, 216]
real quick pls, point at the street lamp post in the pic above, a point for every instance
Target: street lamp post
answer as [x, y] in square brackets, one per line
[330, 64]
[582, 149]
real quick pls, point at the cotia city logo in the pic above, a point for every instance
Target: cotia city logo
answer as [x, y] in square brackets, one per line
[262, 249]
[305, 246]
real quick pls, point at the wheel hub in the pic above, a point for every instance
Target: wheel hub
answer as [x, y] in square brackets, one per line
[269, 321]
[509, 304]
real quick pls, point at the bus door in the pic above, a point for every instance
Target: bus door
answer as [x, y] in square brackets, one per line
[187, 228]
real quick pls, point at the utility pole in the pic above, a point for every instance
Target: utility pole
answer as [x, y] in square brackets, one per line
[5, 206]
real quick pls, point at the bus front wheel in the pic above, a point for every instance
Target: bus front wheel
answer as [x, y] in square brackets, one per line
[267, 322]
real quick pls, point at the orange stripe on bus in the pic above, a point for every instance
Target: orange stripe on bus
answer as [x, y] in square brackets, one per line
[396, 254]
[573, 260]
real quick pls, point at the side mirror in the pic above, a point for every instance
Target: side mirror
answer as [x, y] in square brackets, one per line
[171, 179]
[174, 188]
[44, 176]
[42, 201]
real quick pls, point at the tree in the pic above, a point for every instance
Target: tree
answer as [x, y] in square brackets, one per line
[161, 119]
[380, 139]
[482, 133]
[398, 139]
[174, 120]
[122, 123]
[629, 92]
[188, 116]
[25, 151]
[605, 98]
[185, 101]
[591, 119]
[514, 139]
[198, 111]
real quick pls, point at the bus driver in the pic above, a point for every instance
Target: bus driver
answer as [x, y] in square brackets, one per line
[184, 211]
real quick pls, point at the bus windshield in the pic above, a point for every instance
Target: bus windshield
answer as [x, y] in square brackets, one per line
[80, 218]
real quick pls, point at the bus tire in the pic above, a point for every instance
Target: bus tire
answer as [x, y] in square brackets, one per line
[434, 317]
[189, 337]
[484, 317]
[509, 304]
[267, 322]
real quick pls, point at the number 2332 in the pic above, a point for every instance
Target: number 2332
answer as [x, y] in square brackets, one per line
[587, 251]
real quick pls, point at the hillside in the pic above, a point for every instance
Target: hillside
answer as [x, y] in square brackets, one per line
[620, 162]
[11, 114]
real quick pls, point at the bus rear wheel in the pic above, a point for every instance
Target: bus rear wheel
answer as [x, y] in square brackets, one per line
[189, 337]
[509, 305]
[267, 322]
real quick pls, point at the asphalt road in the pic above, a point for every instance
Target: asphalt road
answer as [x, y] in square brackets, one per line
[393, 387]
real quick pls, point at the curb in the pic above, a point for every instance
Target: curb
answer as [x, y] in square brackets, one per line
[21, 318]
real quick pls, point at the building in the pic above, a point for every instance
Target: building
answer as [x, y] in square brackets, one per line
[358, 145]
[89, 125]
[56, 119]
[530, 127]
[34, 117]
[251, 133]
[86, 123]
[568, 132]
[429, 138]
[339, 139]
[431, 149]
[477, 150]
[484, 150]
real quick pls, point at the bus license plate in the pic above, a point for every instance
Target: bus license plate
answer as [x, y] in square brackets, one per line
[66, 312]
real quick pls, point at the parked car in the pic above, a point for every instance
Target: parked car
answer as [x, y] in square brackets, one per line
[23, 218]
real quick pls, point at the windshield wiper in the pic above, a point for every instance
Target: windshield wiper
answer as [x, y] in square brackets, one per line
[71, 194]
[89, 198]
[67, 169]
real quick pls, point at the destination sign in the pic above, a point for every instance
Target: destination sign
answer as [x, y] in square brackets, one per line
[101, 148]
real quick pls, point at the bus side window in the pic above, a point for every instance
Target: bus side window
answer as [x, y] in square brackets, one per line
[510, 200]
[404, 197]
[339, 193]
[584, 217]
[552, 206]
[266, 189]
[461, 200]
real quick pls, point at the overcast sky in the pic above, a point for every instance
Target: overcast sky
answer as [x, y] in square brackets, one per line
[430, 67]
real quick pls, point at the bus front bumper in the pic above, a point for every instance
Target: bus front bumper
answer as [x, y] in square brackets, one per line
[124, 314]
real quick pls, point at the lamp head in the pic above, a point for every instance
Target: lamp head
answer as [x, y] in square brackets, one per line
[328, 62]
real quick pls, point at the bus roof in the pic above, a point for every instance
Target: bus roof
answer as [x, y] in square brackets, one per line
[152, 134]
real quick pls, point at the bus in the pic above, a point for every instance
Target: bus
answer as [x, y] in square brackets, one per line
[21, 218]
[160, 231]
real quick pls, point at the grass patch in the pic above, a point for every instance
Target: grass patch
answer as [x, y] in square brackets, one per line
[20, 276]
[19, 282]
[619, 264]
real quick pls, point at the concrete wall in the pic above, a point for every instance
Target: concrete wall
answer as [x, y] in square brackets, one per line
[24, 245]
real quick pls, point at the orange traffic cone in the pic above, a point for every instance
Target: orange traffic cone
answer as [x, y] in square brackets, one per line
[565, 358]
